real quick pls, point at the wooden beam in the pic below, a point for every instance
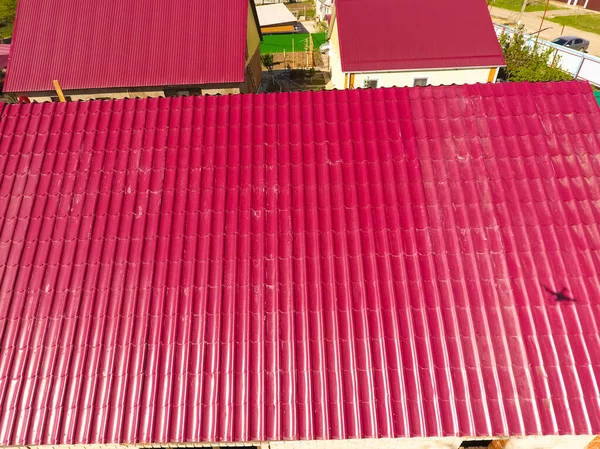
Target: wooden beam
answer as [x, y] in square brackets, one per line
[59, 92]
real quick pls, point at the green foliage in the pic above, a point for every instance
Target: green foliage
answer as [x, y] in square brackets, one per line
[321, 26]
[525, 63]
[8, 10]
[268, 61]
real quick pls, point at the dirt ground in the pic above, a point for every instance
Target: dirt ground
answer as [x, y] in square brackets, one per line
[294, 80]
[298, 60]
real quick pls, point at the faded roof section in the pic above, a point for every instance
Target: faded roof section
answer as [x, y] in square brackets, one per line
[316, 265]
[133, 43]
[274, 14]
[378, 35]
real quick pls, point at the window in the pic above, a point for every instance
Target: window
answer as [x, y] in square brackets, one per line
[421, 82]
[176, 93]
[371, 83]
[483, 444]
[57, 100]
[578, 41]
[475, 444]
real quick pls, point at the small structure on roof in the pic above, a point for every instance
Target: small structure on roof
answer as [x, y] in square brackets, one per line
[276, 18]
[385, 43]
[134, 48]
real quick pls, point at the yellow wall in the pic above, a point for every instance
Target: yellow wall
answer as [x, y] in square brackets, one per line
[335, 63]
[253, 37]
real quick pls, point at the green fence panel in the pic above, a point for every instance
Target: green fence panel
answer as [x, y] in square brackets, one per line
[277, 43]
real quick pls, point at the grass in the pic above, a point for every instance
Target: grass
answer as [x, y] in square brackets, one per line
[6, 30]
[515, 5]
[584, 22]
[277, 43]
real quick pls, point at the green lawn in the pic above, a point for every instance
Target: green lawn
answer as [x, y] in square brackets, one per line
[5, 30]
[515, 5]
[277, 43]
[585, 22]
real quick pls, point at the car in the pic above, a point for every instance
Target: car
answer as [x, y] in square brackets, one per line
[573, 42]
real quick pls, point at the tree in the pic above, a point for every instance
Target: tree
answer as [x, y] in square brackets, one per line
[268, 61]
[529, 63]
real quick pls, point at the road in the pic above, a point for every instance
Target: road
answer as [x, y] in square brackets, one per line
[532, 20]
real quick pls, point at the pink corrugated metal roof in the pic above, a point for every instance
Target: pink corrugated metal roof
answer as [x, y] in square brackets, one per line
[343, 264]
[378, 35]
[4, 51]
[133, 43]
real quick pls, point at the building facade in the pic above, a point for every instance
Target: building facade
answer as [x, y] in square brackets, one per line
[408, 45]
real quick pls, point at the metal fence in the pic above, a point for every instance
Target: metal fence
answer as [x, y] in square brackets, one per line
[580, 65]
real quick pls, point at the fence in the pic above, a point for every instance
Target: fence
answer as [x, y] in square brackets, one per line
[580, 65]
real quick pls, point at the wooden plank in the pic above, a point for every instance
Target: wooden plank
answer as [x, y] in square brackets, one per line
[59, 91]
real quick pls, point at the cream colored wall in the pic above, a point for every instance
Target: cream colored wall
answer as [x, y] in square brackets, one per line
[436, 77]
[90, 95]
[398, 79]
[335, 63]
[402, 79]
[118, 94]
[252, 35]
[533, 442]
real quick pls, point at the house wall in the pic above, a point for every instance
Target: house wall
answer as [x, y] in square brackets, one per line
[533, 442]
[435, 77]
[253, 76]
[252, 36]
[342, 80]
[142, 92]
[335, 62]
[587, 4]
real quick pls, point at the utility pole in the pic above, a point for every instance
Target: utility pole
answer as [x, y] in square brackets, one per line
[542, 22]
[523, 6]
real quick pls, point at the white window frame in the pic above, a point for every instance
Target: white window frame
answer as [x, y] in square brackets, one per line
[426, 78]
[367, 80]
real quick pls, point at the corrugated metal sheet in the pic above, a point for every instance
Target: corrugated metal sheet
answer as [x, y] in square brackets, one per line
[379, 35]
[274, 14]
[133, 43]
[343, 264]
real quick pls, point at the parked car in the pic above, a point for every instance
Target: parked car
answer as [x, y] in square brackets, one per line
[573, 42]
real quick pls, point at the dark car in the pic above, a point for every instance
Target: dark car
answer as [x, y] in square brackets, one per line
[572, 42]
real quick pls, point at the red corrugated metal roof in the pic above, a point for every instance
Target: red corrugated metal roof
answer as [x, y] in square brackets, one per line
[133, 43]
[379, 35]
[343, 264]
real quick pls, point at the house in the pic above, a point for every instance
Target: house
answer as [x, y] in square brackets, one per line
[276, 18]
[412, 43]
[323, 8]
[586, 4]
[338, 269]
[134, 48]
